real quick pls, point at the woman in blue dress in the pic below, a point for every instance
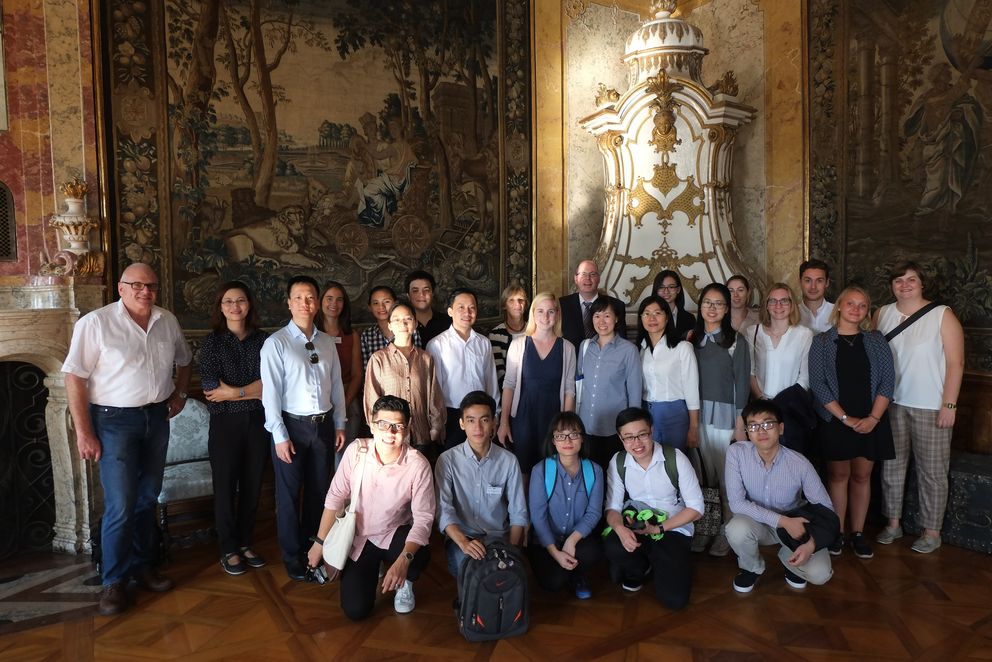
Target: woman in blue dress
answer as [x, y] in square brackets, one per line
[539, 381]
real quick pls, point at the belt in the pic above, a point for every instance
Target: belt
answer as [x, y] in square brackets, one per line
[312, 419]
[137, 408]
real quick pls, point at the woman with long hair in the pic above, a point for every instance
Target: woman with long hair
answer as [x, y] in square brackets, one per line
[852, 377]
[539, 381]
[670, 376]
[741, 314]
[238, 444]
[566, 503]
[668, 286]
[513, 303]
[724, 381]
[334, 319]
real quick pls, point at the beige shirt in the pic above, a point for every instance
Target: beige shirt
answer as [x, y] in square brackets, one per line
[414, 380]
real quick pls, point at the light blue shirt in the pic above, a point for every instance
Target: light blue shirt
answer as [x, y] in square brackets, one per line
[569, 508]
[611, 382]
[291, 383]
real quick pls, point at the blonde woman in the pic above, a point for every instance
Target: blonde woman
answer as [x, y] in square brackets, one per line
[852, 377]
[539, 381]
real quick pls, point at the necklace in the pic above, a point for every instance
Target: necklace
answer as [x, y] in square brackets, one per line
[850, 340]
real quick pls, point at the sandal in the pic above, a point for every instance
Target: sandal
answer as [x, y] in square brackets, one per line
[238, 568]
[254, 561]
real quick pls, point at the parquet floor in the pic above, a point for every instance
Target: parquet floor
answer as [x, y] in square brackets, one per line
[899, 605]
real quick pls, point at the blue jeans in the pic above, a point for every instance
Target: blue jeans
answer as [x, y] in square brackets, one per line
[671, 422]
[134, 442]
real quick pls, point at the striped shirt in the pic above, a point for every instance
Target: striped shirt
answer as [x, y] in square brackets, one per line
[500, 338]
[763, 493]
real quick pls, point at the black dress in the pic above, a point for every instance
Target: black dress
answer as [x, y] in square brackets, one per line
[838, 441]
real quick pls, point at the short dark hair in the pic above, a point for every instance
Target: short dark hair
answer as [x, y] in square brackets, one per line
[392, 403]
[476, 398]
[308, 280]
[344, 319]
[217, 320]
[813, 263]
[457, 292]
[900, 269]
[761, 406]
[565, 420]
[599, 305]
[419, 274]
[381, 288]
[631, 414]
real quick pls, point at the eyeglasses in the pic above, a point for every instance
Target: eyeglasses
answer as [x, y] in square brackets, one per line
[138, 286]
[706, 303]
[587, 274]
[392, 427]
[668, 288]
[763, 425]
[562, 436]
[631, 438]
[231, 302]
[313, 352]
[780, 302]
[653, 314]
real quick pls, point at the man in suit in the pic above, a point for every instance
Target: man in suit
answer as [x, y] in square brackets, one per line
[575, 307]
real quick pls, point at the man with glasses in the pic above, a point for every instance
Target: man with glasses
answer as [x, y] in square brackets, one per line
[119, 383]
[304, 406]
[777, 499]
[641, 485]
[575, 324]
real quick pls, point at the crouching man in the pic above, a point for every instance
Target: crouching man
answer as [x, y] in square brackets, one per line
[777, 499]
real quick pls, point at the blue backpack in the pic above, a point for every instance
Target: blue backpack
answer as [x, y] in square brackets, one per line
[551, 475]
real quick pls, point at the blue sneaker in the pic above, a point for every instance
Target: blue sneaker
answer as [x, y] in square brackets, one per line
[582, 590]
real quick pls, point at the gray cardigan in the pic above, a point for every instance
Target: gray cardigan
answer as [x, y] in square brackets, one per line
[823, 368]
[515, 366]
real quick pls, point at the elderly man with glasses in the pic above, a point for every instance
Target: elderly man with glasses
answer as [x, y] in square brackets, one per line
[119, 383]
[305, 412]
[777, 499]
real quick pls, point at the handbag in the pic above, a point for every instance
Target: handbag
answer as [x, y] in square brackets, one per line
[341, 537]
[711, 521]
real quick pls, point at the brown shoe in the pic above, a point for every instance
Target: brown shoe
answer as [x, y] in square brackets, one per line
[150, 580]
[113, 599]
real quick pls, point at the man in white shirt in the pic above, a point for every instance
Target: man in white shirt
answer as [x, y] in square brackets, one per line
[463, 361]
[118, 378]
[633, 547]
[304, 406]
[814, 311]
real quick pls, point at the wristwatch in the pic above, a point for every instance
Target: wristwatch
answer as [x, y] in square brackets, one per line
[241, 393]
[843, 417]
[950, 405]
[408, 556]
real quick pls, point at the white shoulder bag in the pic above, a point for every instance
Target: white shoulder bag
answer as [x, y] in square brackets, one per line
[341, 537]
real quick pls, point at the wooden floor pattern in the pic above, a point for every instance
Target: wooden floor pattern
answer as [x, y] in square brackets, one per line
[899, 605]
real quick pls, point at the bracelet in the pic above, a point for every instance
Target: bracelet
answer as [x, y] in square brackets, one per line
[241, 393]
[317, 539]
[877, 419]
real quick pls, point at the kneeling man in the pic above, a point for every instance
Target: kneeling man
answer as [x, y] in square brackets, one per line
[777, 499]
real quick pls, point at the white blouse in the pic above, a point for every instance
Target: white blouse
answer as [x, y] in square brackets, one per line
[670, 373]
[778, 368]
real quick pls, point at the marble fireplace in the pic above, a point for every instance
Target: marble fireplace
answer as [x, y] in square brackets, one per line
[36, 324]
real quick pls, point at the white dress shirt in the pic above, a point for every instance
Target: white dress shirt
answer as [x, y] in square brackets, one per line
[124, 365]
[670, 374]
[778, 368]
[819, 322]
[292, 384]
[652, 486]
[463, 366]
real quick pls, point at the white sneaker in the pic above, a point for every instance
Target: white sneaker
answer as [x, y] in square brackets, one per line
[404, 600]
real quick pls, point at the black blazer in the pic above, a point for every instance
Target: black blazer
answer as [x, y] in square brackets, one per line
[572, 327]
[684, 323]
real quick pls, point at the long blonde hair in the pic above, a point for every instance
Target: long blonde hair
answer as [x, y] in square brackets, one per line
[532, 324]
[867, 324]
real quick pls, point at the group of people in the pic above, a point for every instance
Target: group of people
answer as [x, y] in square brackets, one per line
[555, 431]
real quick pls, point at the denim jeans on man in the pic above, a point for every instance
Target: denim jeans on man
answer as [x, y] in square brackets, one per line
[134, 441]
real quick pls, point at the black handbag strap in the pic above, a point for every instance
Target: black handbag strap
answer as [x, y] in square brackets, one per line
[909, 321]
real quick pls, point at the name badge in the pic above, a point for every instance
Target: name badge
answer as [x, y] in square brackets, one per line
[493, 490]
[336, 340]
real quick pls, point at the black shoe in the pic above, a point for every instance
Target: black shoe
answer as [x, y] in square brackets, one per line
[837, 546]
[253, 561]
[113, 599]
[794, 580]
[149, 579]
[238, 568]
[745, 580]
[860, 546]
[296, 571]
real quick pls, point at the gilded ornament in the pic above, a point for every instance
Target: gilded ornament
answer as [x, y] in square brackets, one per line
[660, 6]
[727, 84]
[574, 9]
[606, 95]
[74, 188]
[664, 136]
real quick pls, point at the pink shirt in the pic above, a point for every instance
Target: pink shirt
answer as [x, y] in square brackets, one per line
[394, 494]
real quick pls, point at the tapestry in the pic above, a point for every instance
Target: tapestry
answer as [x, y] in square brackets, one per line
[349, 140]
[901, 150]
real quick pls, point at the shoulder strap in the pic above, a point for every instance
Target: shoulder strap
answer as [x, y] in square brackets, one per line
[588, 476]
[672, 469]
[550, 475]
[620, 459]
[909, 321]
[356, 488]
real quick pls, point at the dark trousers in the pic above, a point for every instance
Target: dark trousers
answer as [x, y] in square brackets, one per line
[669, 557]
[239, 446]
[453, 433]
[549, 573]
[602, 449]
[310, 471]
[360, 578]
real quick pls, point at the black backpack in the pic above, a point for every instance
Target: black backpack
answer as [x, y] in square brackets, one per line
[494, 596]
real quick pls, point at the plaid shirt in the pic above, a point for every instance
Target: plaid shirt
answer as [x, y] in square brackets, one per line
[372, 341]
[414, 380]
